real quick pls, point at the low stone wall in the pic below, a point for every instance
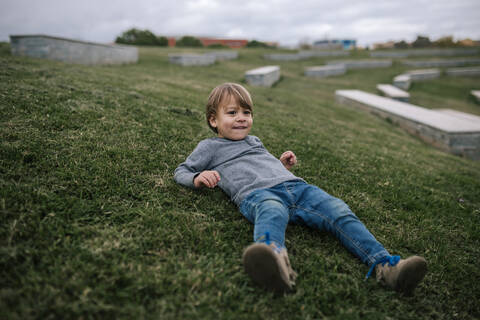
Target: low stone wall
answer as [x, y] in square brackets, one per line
[463, 72]
[423, 74]
[264, 76]
[323, 53]
[71, 51]
[446, 132]
[442, 62]
[305, 54]
[325, 71]
[362, 64]
[283, 56]
[424, 52]
[189, 59]
[225, 55]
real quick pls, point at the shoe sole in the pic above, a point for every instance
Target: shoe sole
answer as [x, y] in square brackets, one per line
[412, 273]
[263, 266]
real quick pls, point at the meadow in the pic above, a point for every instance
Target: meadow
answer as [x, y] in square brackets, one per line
[93, 225]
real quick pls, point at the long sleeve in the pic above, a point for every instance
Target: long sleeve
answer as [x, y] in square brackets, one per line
[196, 162]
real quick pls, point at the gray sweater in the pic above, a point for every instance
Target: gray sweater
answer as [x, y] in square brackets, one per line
[244, 166]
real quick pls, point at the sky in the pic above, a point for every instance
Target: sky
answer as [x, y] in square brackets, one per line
[287, 22]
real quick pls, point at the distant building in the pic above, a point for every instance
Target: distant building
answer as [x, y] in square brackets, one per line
[329, 44]
[206, 41]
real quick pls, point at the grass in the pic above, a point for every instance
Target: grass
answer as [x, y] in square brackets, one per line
[93, 225]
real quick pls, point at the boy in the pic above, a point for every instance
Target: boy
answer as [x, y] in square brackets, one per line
[270, 197]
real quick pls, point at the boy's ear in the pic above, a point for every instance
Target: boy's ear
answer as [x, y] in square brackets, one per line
[213, 121]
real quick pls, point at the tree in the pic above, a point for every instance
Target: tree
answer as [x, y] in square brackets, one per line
[189, 41]
[422, 42]
[445, 42]
[141, 37]
[257, 44]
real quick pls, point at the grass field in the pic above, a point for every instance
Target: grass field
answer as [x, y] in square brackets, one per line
[93, 225]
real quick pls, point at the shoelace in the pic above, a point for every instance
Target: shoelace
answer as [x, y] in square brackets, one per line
[391, 260]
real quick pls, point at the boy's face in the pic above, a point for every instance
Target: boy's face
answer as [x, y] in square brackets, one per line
[232, 121]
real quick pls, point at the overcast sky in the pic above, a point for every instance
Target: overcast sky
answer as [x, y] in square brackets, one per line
[284, 21]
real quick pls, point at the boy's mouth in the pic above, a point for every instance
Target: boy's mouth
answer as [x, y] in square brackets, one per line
[243, 127]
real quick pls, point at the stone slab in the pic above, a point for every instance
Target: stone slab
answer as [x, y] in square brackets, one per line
[442, 62]
[190, 59]
[361, 64]
[463, 72]
[460, 115]
[393, 92]
[263, 76]
[449, 133]
[476, 94]
[71, 51]
[325, 71]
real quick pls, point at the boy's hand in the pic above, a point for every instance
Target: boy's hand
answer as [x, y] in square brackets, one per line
[288, 159]
[207, 178]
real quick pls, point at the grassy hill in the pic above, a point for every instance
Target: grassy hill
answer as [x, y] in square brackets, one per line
[93, 225]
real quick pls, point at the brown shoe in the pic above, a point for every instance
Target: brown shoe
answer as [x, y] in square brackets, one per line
[269, 267]
[404, 276]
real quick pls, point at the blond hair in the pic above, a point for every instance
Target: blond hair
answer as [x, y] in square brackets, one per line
[223, 92]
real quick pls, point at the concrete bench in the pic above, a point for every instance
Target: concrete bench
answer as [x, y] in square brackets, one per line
[476, 94]
[442, 62]
[361, 64]
[189, 59]
[71, 51]
[264, 76]
[454, 134]
[325, 71]
[393, 92]
[461, 72]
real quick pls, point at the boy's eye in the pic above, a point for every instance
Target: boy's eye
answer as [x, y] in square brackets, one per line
[247, 112]
[232, 112]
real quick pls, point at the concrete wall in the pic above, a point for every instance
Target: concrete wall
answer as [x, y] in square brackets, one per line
[71, 51]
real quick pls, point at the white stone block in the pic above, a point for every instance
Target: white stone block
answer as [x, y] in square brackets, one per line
[393, 92]
[442, 62]
[325, 71]
[402, 81]
[264, 76]
[224, 55]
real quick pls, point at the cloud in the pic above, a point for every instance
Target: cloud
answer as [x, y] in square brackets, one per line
[271, 20]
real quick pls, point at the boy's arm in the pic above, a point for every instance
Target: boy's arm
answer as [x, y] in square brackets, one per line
[192, 173]
[288, 159]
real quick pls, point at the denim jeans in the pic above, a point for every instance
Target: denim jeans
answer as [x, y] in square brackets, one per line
[296, 202]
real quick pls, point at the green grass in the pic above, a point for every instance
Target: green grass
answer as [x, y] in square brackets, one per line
[93, 225]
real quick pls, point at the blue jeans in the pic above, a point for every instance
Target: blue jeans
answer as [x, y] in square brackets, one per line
[297, 202]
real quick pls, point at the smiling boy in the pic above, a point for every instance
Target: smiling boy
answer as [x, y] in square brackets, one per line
[271, 197]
